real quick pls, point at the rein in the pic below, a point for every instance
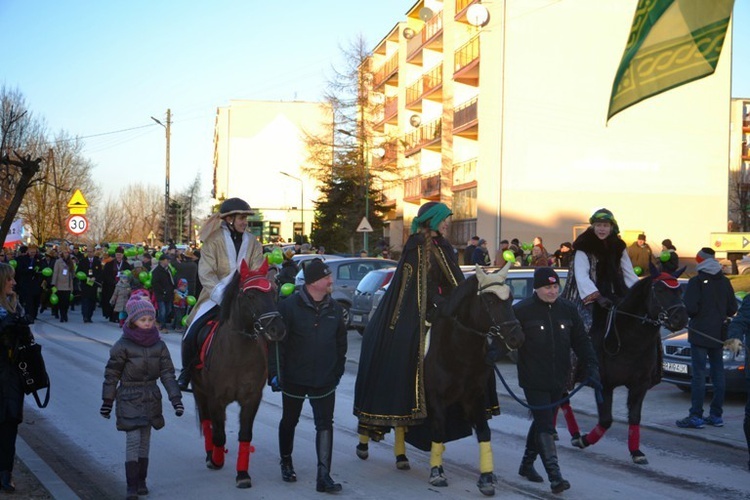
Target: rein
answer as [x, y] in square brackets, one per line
[554, 404]
[303, 397]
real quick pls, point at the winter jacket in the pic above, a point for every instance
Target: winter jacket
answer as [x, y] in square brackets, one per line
[62, 276]
[11, 392]
[739, 328]
[551, 330]
[672, 264]
[163, 284]
[130, 379]
[709, 300]
[641, 257]
[313, 353]
[120, 296]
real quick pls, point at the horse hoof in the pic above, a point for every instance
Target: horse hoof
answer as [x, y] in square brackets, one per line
[243, 480]
[363, 451]
[486, 484]
[639, 458]
[579, 441]
[437, 477]
[402, 463]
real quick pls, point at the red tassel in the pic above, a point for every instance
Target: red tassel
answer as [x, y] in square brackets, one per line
[243, 456]
[595, 435]
[570, 419]
[634, 438]
[208, 435]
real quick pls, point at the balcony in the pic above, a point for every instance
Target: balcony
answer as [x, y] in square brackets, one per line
[391, 154]
[414, 95]
[387, 71]
[746, 124]
[461, 6]
[430, 36]
[390, 194]
[465, 174]
[433, 83]
[465, 121]
[466, 69]
[412, 188]
[419, 187]
[745, 151]
[390, 108]
[427, 136]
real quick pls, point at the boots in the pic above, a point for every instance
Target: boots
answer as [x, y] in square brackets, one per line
[131, 476]
[6, 481]
[189, 353]
[527, 467]
[548, 451]
[287, 469]
[324, 447]
[142, 473]
[746, 427]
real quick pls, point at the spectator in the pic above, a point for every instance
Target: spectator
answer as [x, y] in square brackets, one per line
[670, 265]
[538, 258]
[640, 254]
[481, 254]
[515, 247]
[563, 255]
[471, 246]
[709, 300]
[311, 361]
[120, 298]
[110, 276]
[29, 279]
[136, 361]
[163, 285]
[545, 254]
[739, 329]
[92, 267]
[499, 259]
[62, 279]
[179, 304]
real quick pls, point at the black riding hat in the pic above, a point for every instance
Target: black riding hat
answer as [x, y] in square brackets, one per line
[234, 206]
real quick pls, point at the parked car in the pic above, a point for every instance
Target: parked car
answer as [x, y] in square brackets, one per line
[362, 302]
[677, 369]
[300, 259]
[347, 272]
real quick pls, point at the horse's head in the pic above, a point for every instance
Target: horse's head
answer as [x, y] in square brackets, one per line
[665, 303]
[256, 303]
[496, 297]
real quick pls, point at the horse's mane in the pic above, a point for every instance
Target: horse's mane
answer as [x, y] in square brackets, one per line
[636, 296]
[465, 289]
[230, 296]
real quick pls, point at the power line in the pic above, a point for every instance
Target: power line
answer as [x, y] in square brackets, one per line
[101, 134]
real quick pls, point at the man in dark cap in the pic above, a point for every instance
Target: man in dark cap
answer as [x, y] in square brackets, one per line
[471, 245]
[308, 364]
[552, 327]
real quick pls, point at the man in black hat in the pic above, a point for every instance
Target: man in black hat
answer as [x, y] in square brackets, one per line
[471, 245]
[552, 327]
[308, 363]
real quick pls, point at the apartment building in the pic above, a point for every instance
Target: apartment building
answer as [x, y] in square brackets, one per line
[259, 152]
[739, 176]
[499, 109]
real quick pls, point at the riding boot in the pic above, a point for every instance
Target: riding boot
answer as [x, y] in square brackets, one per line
[131, 476]
[6, 481]
[324, 447]
[746, 427]
[189, 353]
[548, 451]
[287, 469]
[527, 469]
[142, 473]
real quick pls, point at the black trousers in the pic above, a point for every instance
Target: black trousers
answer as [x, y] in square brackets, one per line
[292, 401]
[8, 434]
[544, 420]
[64, 304]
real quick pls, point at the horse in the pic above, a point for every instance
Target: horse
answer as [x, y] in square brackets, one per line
[233, 364]
[459, 381]
[630, 352]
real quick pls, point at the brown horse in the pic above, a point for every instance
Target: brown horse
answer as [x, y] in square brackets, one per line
[234, 365]
[630, 353]
[459, 382]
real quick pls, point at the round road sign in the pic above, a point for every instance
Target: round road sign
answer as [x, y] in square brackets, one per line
[77, 224]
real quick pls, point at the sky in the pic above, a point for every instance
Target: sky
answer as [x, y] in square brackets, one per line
[101, 69]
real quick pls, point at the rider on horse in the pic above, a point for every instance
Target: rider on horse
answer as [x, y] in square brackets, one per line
[226, 241]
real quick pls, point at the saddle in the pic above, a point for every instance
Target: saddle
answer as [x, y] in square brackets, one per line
[204, 340]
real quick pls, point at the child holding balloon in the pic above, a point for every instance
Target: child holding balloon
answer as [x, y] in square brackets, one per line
[180, 303]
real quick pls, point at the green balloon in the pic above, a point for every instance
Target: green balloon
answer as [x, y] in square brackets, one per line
[527, 246]
[172, 270]
[53, 289]
[140, 251]
[277, 256]
[131, 252]
[13, 263]
[147, 284]
[143, 276]
[47, 271]
[637, 270]
[287, 289]
[54, 299]
[190, 300]
[741, 294]
[509, 256]
[157, 255]
[111, 250]
[183, 322]
[127, 272]
[81, 275]
[664, 256]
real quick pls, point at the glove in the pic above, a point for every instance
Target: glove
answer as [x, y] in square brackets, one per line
[604, 302]
[178, 408]
[274, 383]
[733, 345]
[593, 380]
[106, 408]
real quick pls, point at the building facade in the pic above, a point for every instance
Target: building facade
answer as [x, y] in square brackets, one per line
[260, 150]
[739, 161]
[504, 118]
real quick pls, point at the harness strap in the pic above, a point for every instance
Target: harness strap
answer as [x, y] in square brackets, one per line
[206, 346]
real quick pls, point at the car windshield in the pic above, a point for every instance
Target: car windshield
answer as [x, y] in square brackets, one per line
[372, 281]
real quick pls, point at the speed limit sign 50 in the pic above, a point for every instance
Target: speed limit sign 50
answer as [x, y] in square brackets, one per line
[77, 224]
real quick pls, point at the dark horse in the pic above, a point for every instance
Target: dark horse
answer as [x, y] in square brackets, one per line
[459, 383]
[234, 364]
[630, 352]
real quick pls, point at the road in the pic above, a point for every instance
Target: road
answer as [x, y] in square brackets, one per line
[78, 447]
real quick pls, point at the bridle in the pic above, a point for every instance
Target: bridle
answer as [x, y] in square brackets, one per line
[497, 327]
[261, 325]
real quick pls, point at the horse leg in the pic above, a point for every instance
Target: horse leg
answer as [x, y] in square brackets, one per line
[636, 395]
[437, 427]
[363, 447]
[604, 409]
[247, 417]
[437, 476]
[208, 440]
[570, 420]
[487, 480]
[219, 439]
[399, 448]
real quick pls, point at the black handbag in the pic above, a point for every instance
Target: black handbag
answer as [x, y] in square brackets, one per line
[34, 375]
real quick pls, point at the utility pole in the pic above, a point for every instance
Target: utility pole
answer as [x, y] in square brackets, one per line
[167, 129]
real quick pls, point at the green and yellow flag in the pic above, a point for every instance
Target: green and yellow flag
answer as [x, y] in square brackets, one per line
[671, 42]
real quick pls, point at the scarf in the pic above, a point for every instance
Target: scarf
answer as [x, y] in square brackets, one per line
[709, 266]
[145, 338]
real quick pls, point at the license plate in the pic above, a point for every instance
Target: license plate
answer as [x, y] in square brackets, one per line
[675, 367]
[356, 317]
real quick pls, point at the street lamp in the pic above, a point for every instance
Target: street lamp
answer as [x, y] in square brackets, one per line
[166, 182]
[301, 202]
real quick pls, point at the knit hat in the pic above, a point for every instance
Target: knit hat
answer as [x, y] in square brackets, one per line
[182, 281]
[544, 276]
[704, 253]
[482, 242]
[138, 308]
[314, 270]
[668, 244]
[604, 215]
[119, 250]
